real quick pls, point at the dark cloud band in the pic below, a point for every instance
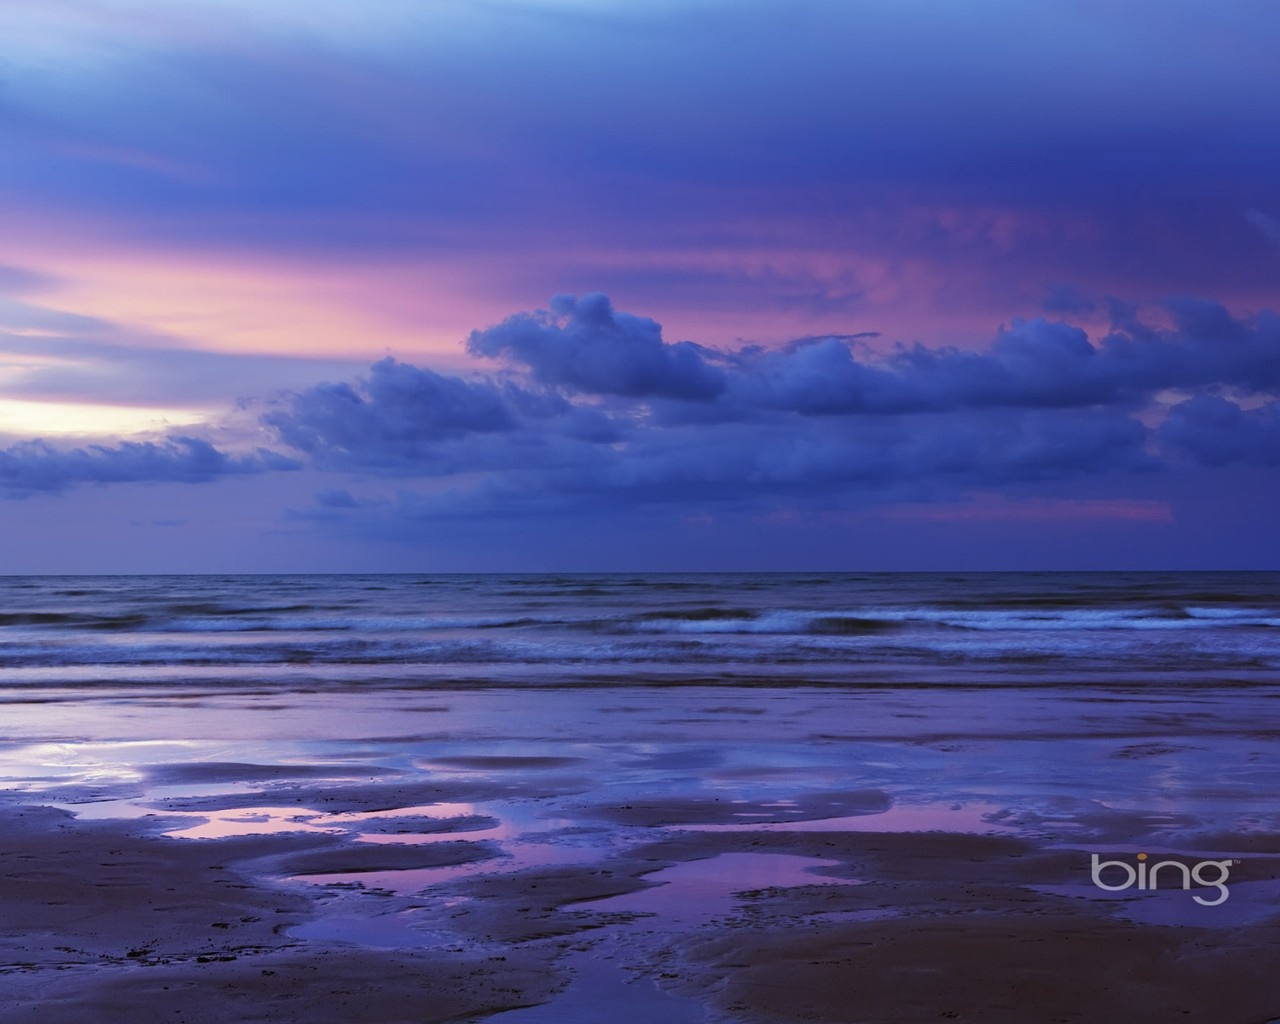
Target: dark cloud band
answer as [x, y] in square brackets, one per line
[34, 467]
[597, 408]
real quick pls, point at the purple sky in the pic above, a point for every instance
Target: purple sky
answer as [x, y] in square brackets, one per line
[573, 284]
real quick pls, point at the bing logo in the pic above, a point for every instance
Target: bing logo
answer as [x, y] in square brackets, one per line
[1147, 877]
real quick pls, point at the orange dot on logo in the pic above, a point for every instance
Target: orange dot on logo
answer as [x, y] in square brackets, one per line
[1142, 856]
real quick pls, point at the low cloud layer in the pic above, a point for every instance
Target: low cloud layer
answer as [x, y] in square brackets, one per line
[587, 408]
[36, 467]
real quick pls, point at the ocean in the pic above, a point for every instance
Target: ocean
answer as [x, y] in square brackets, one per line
[628, 630]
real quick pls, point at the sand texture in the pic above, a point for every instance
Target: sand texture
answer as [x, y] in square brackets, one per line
[695, 861]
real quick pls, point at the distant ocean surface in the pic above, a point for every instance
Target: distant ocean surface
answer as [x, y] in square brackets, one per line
[448, 631]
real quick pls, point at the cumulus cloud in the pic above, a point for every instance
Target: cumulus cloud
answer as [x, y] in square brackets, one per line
[399, 411]
[595, 409]
[34, 467]
[1213, 431]
[585, 345]
[407, 419]
[1034, 364]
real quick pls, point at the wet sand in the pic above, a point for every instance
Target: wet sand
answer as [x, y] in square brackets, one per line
[675, 855]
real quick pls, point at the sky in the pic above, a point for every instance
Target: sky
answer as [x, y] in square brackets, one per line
[580, 285]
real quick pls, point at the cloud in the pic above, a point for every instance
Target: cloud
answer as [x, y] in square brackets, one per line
[713, 189]
[402, 408]
[592, 409]
[33, 467]
[753, 466]
[1213, 431]
[1034, 364]
[262, 95]
[595, 410]
[585, 345]
[406, 419]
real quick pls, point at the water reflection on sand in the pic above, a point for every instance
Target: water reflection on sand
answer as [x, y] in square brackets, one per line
[616, 800]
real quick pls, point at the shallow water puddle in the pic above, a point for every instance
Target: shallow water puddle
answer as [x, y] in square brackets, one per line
[250, 821]
[515, 856]
[527, 839]
[696, 891]
[444, 821]
[969, 818]
[685, 895]
[438, 810]
[145, 806]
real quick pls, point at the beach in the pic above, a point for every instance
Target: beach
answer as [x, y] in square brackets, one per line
[855, 798]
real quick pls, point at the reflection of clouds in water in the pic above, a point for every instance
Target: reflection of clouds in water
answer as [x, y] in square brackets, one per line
[440, 810]
[445, 820]
[253, 821]
[1065, 762]
[696, 891]
[980, 818]
[528, 840]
